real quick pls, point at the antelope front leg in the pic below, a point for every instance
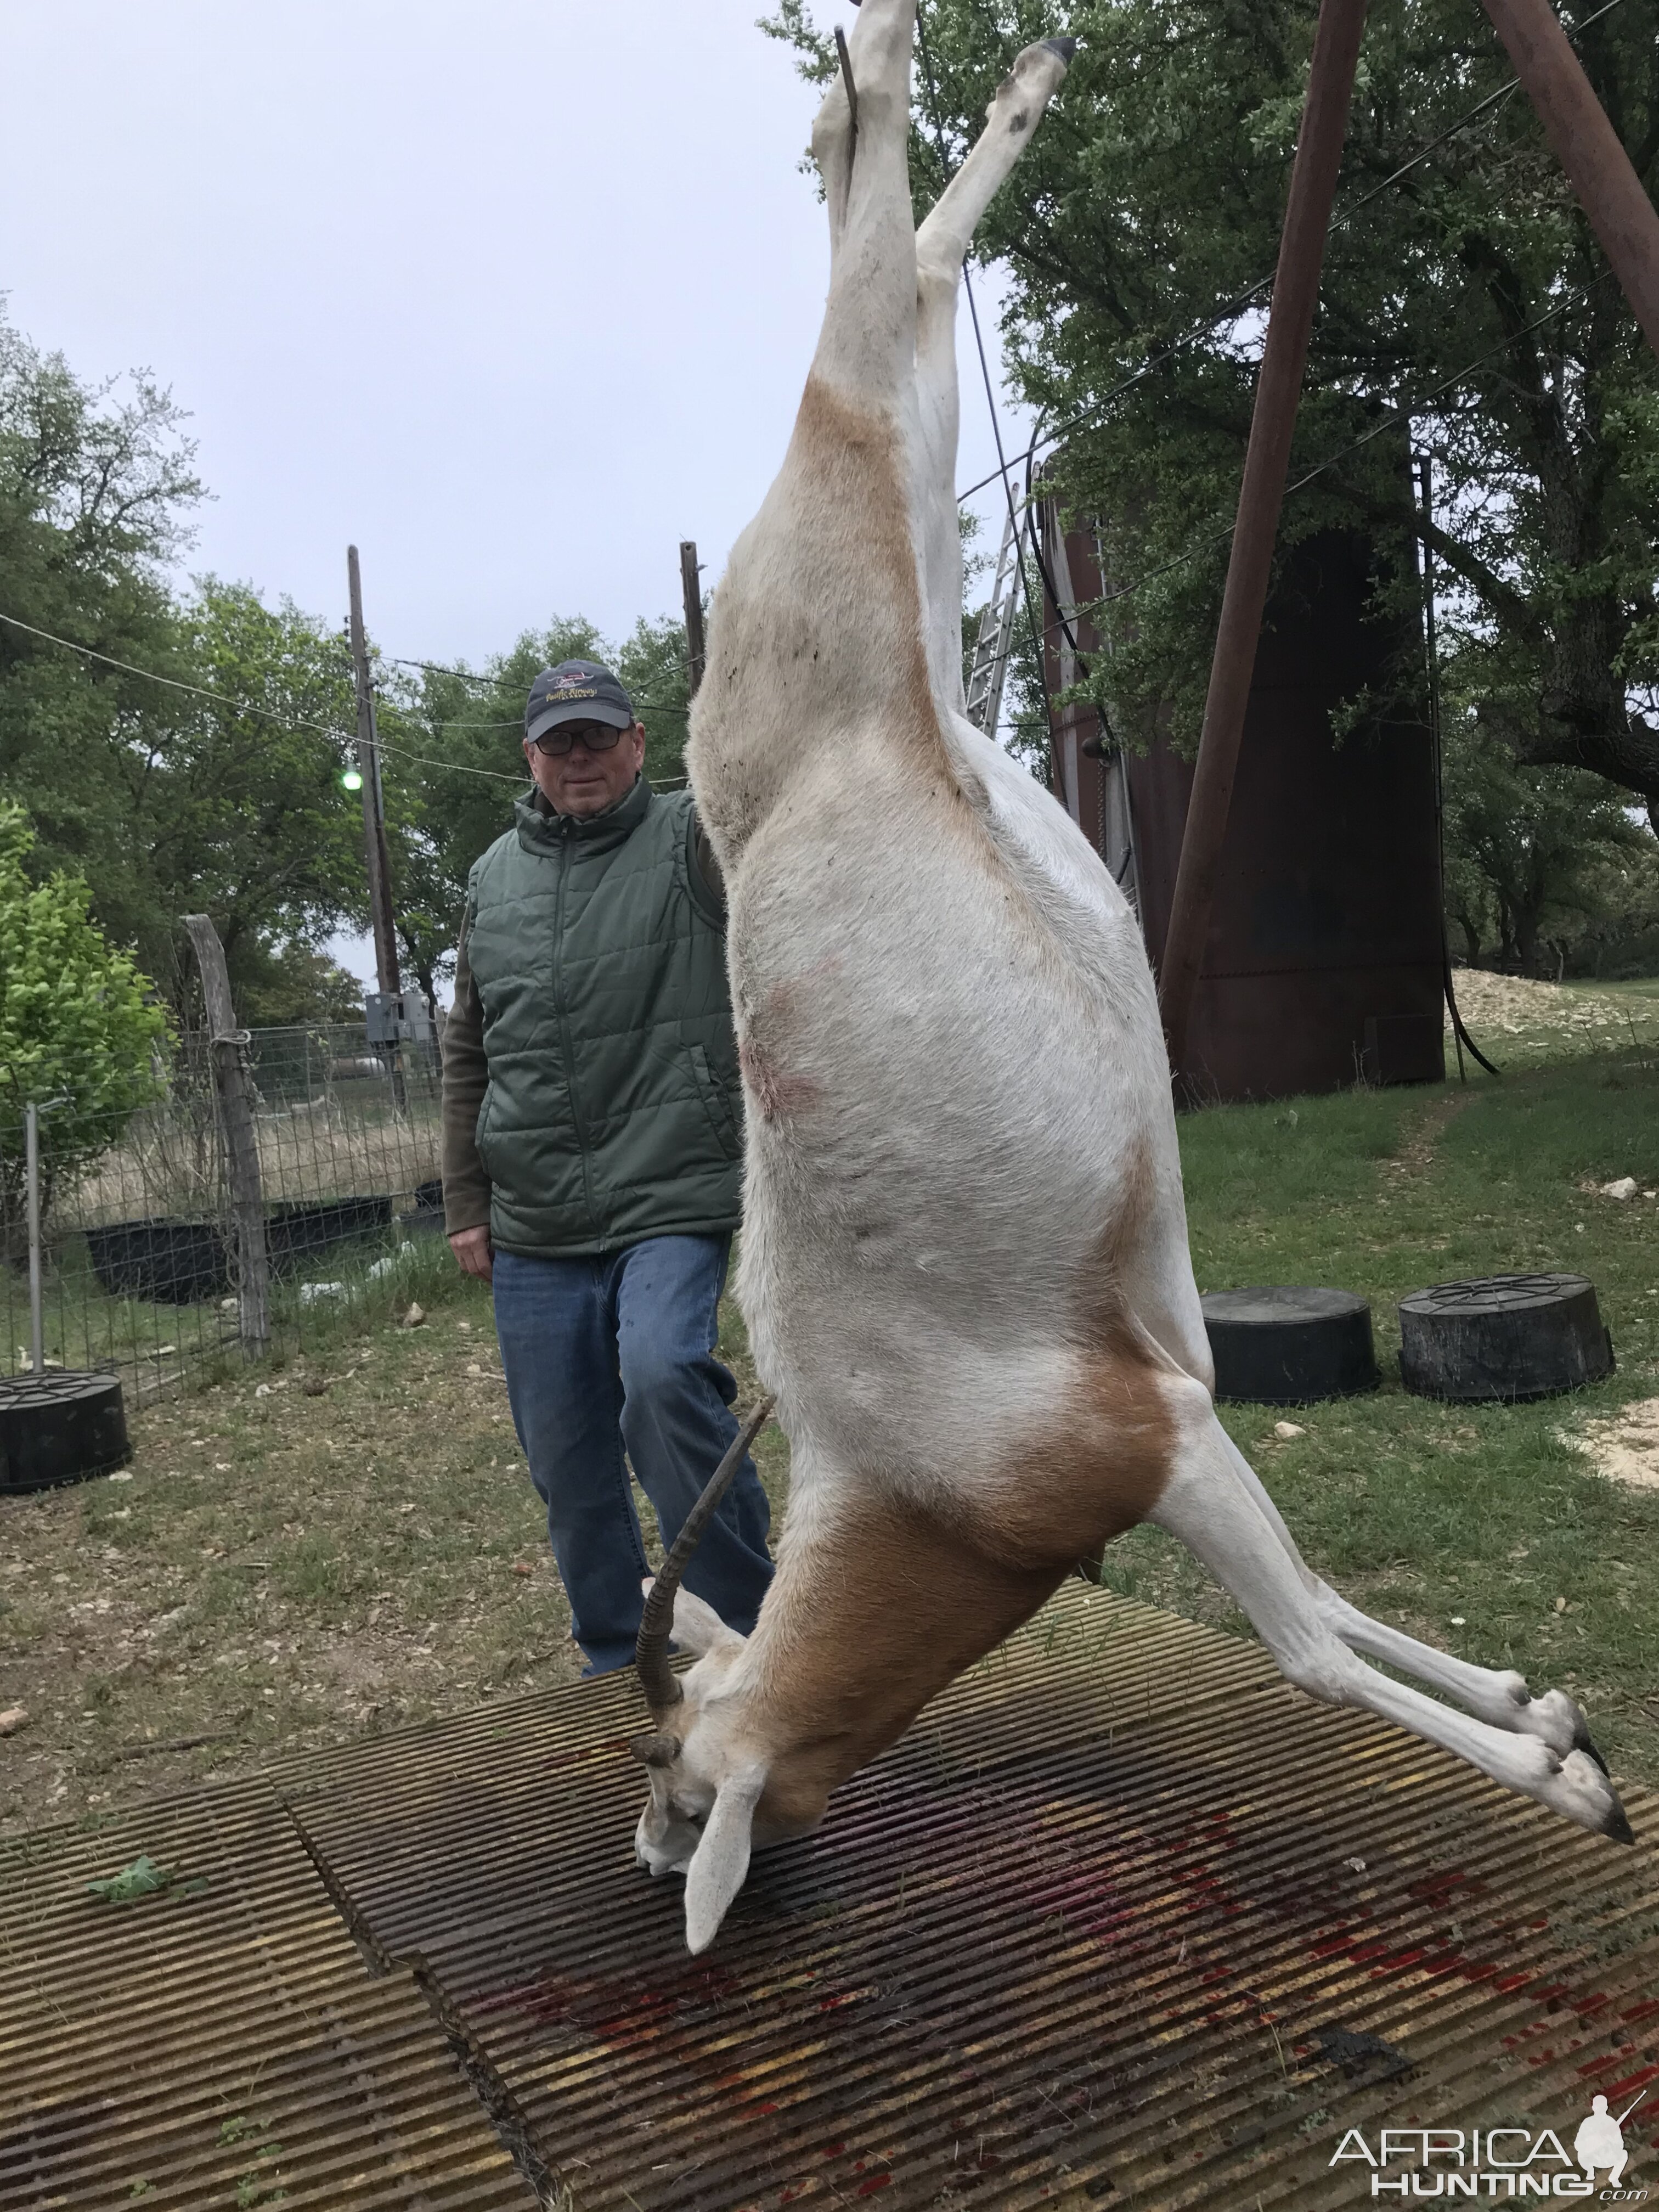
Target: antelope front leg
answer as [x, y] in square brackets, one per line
[1220, 1519]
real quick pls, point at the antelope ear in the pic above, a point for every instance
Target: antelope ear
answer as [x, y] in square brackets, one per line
[721, 1859]
[699, 1628]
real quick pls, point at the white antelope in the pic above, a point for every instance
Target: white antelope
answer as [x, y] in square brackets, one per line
[965, 1263]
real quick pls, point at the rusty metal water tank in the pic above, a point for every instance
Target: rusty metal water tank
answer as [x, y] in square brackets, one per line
[1323, 964]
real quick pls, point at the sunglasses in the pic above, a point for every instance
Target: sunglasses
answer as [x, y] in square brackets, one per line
[598, 737]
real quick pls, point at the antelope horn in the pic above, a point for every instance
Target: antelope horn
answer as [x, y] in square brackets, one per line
[657, 1678]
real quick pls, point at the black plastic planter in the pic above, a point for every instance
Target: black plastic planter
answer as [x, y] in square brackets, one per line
[427, 1211]
[1504, 1337]
[1290, 1344]
[295, 1234]
[182, 1263]
[61, 1427]
[171, 1263]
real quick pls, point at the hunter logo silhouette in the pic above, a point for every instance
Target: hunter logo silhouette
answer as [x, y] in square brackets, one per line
[1600, 2140]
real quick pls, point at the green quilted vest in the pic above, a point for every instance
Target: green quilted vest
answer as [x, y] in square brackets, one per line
[613, 1111]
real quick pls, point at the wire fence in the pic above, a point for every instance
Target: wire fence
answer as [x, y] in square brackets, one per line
[141, 1264]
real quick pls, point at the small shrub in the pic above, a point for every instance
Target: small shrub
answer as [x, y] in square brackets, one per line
[78, 1028]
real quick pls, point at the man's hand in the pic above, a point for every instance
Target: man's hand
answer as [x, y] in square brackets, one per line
[472, 1250]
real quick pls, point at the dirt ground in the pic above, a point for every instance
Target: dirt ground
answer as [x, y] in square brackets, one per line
[1626, 1446]
[1550, 1019]
[337, 1550]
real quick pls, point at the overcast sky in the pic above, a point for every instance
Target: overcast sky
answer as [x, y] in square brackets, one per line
[515, 293]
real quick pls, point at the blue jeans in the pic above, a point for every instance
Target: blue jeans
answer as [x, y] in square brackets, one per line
[616, 1350]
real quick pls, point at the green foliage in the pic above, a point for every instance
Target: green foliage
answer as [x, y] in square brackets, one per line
[163, 801]
[240, 794]
[441, 728]
[78, 1033]
[142, 1879]
[1151, 201]
[168, 801]
[1541, 858]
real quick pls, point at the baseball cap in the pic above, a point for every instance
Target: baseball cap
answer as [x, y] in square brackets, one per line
[576, 691]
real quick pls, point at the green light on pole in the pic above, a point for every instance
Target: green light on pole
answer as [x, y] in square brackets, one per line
[351, 781]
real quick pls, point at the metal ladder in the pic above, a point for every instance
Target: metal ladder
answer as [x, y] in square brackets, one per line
[996, 632]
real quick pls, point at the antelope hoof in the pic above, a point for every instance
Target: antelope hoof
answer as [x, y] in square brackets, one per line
[1556, 1720]
[1584, 1793]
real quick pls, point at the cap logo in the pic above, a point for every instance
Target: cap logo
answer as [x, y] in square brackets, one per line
[571, 678]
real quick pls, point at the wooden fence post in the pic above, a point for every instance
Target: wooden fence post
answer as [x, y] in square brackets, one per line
[231, 1082]
[691, 591]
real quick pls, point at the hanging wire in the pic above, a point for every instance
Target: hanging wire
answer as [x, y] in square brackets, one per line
[467, 676]
[1233, 307]
[1391, 420]
[1035, 627]
[263, 714]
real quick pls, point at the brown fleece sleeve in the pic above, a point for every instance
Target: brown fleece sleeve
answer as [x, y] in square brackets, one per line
[466, 1187]
[707, 867]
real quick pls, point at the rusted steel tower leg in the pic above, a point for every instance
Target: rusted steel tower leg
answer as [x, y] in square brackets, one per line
[1586, 146]
[1278, 387]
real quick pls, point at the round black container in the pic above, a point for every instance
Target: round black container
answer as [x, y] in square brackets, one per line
[61, 1428]
[428, 1210]
[1289, 1345]
[181, 1263]
[177, 1263]
[1504, 1337]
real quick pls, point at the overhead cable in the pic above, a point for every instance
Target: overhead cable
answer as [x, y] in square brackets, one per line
[1391, 421]
[287, 721]
[1242, 300]
[467, 676]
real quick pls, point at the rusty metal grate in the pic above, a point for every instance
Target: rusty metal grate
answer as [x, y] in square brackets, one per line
[223, 2047]
[1123, 1919]
[1094, 1930]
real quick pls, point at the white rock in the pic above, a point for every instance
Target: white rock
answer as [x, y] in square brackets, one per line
[311, 1294]
[1624, 1188]
[1287, 1429]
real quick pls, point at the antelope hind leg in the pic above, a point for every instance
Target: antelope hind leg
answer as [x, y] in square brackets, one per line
[1500, 1698]
[942, 244]
[1220, 1519]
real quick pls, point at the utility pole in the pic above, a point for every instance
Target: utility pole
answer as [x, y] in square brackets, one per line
[368, 765]
[1278, 389]
[693, 592]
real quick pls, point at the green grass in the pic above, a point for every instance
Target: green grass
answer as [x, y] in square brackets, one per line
[1420, 1512]
[285, 1568]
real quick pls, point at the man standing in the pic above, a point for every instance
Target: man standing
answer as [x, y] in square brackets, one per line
[593, 1155]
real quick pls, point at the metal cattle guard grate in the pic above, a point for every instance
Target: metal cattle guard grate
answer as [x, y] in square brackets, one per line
[1122, 1920]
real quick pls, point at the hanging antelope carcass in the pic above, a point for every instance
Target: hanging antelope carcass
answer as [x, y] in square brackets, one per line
[964, 1265]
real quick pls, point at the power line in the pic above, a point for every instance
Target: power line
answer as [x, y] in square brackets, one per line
[287, 721]
[1390, 421]
[1242, 300]
[466, 676]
